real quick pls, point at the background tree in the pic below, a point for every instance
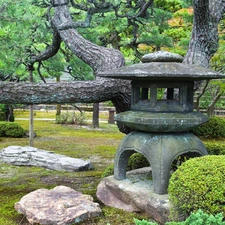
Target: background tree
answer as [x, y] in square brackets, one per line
[203, 44]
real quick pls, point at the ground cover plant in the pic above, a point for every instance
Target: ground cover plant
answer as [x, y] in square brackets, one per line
[97, 145]
[198, 218]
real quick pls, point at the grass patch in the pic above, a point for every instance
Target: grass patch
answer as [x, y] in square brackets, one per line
[97, 145]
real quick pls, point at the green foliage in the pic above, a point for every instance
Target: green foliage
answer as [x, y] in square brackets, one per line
[168, 5]
[144, 222]
[2, 116]
[215, 148]
[213, 128]
[198, 184]
[71, 118]
[198, 218]
[201, 218]
[135, 161]
[108, 171]
[11, 129]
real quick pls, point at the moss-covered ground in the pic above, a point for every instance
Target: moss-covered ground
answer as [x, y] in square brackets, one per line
[97, 145]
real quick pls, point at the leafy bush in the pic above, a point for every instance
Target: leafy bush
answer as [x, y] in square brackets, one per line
[11, 129]
[71, 118]
[2, 116]
[198, 183]
[198, 218]
[213, 128]
[214, 148]
[144, 222]
[135, 161]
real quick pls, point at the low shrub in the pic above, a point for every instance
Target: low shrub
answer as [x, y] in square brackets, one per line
[198, 218]
[198, 183]
[11, 129]
[135, 161]
[144, 222]
[71, 118]
[2, 116]
[213, 128]
[215, 148]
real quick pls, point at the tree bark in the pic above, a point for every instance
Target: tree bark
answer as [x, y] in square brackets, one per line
[204, 39]
[95, 117]
[52, 93]
[97, 57]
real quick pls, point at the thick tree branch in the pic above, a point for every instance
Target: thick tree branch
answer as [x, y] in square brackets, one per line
[50, 51]
[52, 93]
[97, 57]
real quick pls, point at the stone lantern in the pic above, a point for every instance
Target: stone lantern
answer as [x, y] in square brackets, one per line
[161, 124]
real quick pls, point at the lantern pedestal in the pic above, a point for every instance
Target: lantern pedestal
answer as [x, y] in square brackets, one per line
[160, 150]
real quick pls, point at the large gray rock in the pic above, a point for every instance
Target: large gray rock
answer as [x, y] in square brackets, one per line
[134, 194]
[30, 156]
[59, 206]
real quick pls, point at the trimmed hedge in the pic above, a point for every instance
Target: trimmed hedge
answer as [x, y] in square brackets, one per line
[11, 129]
[213, 128]
[198, 183]
[2, 116]
[215, 148]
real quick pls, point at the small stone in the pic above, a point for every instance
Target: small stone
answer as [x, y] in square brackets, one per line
[30, 156]
[59, 206]
[162, 56]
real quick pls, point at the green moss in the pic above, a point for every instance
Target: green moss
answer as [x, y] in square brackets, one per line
[198, 183]
[108, 171]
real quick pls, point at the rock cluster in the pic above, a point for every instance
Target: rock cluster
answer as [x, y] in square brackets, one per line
[59, 206]
[29, 156]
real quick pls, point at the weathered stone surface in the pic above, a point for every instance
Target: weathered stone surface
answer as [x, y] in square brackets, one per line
[162, 56]
[134, 194]
[166, 71]
[161, 122]
[59, 206]
[30, 156]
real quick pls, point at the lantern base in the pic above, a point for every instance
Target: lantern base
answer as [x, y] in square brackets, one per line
[160, 149]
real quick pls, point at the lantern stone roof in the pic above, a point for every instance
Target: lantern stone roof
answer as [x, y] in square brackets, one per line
[162, 66]
[162, 70]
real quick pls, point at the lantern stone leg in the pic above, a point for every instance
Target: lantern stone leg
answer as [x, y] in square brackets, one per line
[160, 150]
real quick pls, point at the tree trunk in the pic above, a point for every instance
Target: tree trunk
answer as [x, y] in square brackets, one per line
[58, 106]
[95, 117]
[31, 119]
[97, 57]
[9, 113]
[204, 40]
